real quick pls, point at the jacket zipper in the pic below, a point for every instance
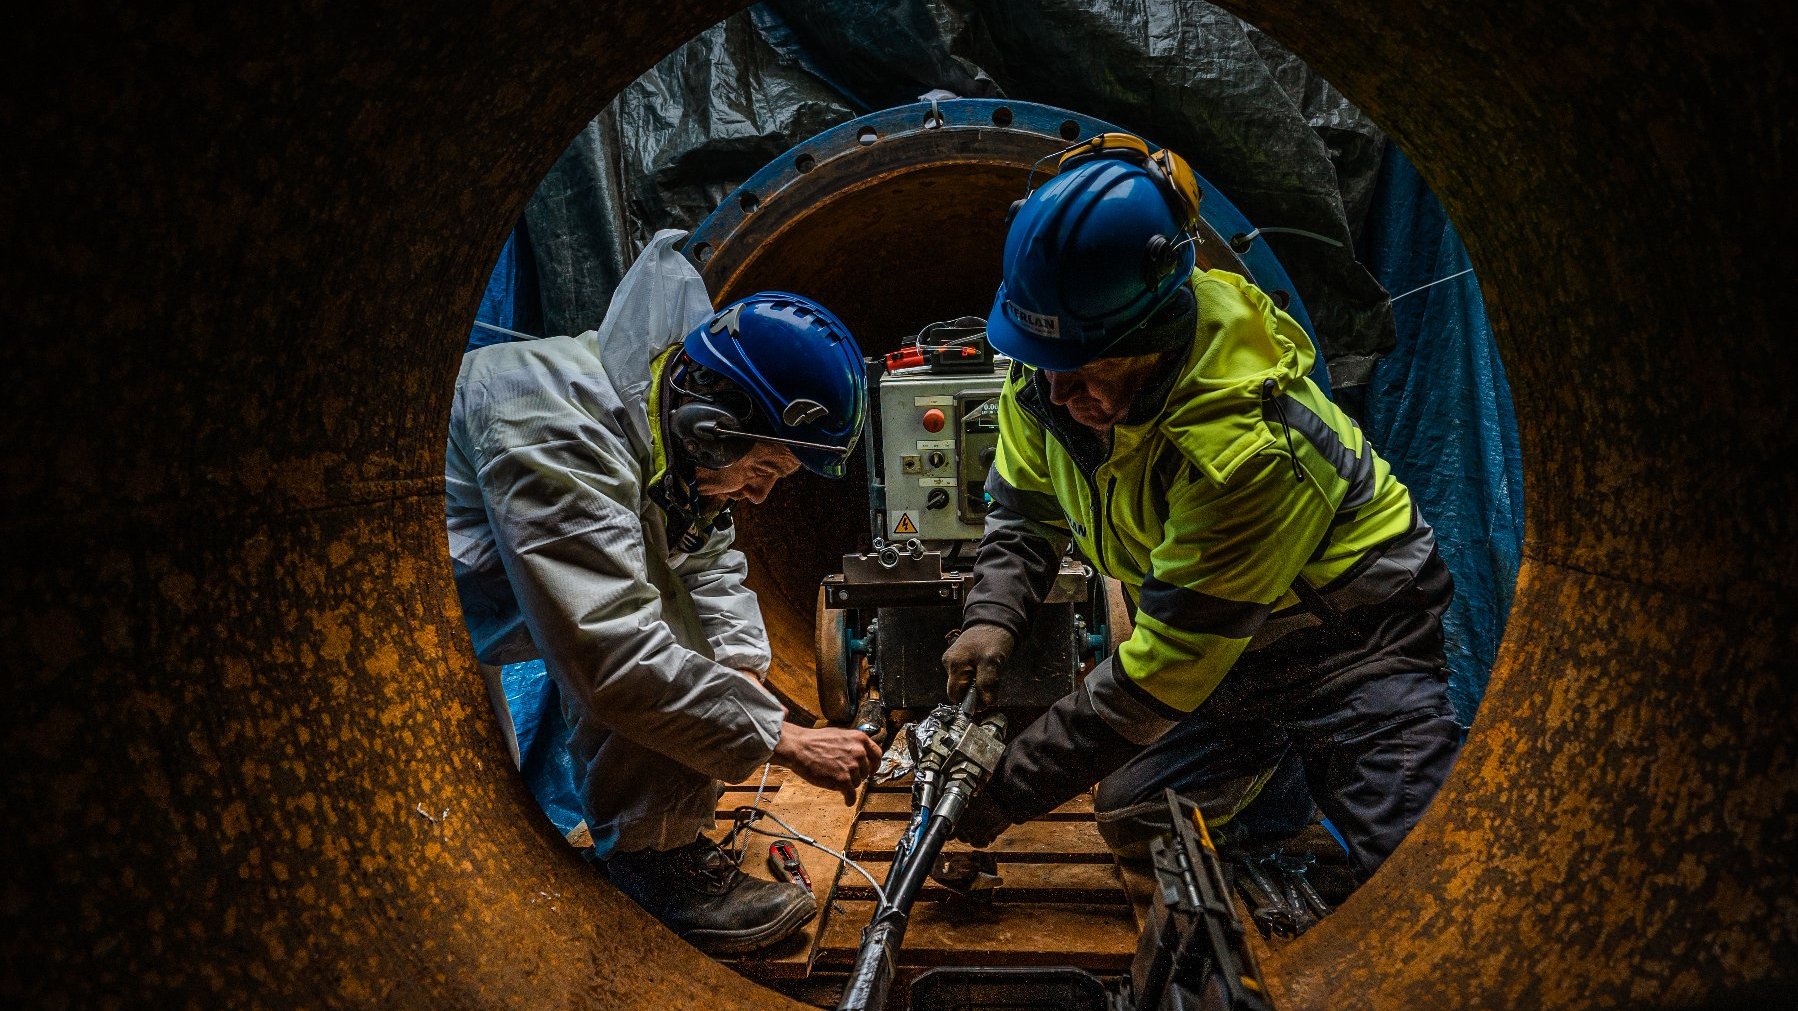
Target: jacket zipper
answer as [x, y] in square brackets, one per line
[1104, 527]
[1101, 507]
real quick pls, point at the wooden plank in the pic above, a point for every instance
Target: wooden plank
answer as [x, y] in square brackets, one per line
[821, 814]
[1031, 842]
[890, 804]
[1100, 938]
[776, 777]
[734, 794]
[1095, 884]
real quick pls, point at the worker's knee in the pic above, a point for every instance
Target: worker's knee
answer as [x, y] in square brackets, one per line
[1129, 816]
[1128, 830]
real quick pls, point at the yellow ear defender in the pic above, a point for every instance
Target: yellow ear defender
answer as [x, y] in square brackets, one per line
[1177, 178]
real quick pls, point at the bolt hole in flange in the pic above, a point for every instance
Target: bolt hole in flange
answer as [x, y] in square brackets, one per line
[1070, 130]
[748, 202]
[805, 163]
[867, 136]
[1002, 116]
[703, 252]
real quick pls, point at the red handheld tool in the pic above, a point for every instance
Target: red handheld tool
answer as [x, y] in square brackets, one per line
[783, 860]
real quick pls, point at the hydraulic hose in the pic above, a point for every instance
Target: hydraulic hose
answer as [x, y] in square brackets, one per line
[963, 771]
[873, 972]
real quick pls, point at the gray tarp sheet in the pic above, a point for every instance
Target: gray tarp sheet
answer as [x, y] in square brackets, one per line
[1288, 149]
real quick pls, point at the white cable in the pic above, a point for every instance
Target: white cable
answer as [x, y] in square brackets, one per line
[501, 329]
[763, 785]
[1434, 283]
[1291, 231]
[799, 837]
[755, 811]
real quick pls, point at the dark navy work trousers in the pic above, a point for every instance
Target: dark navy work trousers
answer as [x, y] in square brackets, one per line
[1373, 757]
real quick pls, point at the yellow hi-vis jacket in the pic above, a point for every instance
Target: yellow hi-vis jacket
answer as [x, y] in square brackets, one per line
[1247, 510]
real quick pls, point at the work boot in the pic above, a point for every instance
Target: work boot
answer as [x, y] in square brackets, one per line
[697, 892]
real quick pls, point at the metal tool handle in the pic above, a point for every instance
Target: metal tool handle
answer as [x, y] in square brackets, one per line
[871, 717]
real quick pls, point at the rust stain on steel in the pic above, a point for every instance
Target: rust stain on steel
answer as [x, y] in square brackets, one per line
[254, 247]
[239, 673]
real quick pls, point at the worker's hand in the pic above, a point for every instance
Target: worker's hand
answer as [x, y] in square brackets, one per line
[974, 658]
[830, 757]
[982, 822]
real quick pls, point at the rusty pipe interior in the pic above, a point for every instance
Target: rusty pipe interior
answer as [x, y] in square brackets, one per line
[245, 251]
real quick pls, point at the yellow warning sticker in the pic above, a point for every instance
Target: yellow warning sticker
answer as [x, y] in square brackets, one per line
[906, 525]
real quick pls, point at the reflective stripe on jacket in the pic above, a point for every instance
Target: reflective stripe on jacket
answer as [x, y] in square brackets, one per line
[1246, 509]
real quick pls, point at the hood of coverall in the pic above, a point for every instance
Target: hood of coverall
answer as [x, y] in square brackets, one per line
[660, 298]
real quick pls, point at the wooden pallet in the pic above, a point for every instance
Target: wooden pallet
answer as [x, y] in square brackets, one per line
[1061, 900]
[815, 812]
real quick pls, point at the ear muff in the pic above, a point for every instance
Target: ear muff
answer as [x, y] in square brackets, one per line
[1159, 258]
[1012, 212]
[701, 430]
[1177, 180]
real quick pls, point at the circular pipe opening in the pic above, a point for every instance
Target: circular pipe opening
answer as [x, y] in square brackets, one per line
[1659, 557]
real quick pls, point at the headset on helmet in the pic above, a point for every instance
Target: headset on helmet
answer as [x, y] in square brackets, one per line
[1033, 327]
[776, 368]
[1177, 177]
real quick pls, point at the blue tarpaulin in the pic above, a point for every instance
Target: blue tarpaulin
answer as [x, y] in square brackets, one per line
[537, 719]
[510, 300]
[1439, 410]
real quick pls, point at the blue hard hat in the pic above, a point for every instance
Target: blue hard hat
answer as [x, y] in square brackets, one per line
[1089, 257]
[799, 365]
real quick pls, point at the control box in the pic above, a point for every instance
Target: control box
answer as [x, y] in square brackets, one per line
[935, 431]
[938, 434]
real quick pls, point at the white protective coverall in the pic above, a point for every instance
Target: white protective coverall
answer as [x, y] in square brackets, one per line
[560, 552]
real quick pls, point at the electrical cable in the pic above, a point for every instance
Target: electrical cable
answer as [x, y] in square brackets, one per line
[501, 329]
[1434, 283]
[975, 323]
[799, 837]
[755, 809]
[1270, 230]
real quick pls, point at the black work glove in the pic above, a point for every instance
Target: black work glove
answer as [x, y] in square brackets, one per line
[974, 658]
[982, 822]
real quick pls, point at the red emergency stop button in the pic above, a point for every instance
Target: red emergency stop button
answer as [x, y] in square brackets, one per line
[933, 420]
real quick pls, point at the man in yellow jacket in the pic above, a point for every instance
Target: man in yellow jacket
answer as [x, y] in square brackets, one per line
[1287, 595]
